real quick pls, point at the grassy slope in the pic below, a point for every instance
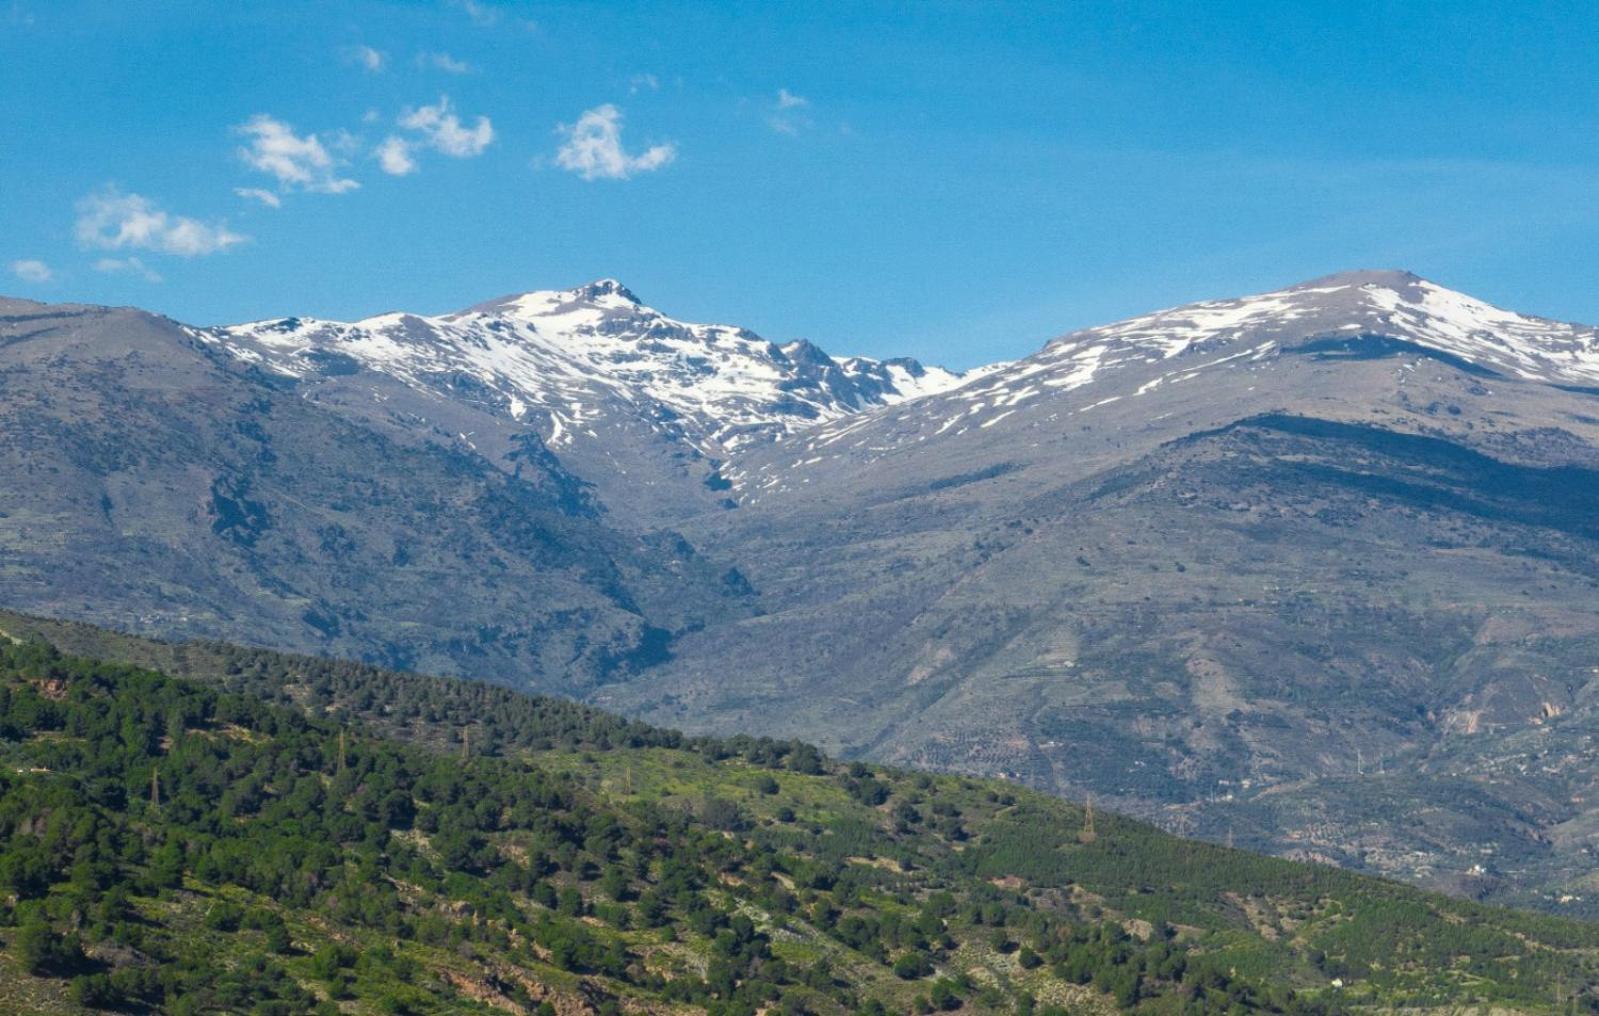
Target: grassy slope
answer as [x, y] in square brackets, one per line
[799, 854]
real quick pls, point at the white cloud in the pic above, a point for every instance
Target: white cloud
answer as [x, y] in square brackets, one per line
[481, 14]
[302, 163]
[266, 197]
[640, 82]
[487, 14]
[111, 220]
[115, 266]
[436, 127]
[444, 62]
[373, 60]
[394, 156]
[788, 115]
[593, 148]
[32, 270]
[342, 142]
[442, 130]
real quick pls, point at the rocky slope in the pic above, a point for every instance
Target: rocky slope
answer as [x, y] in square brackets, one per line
[482, 493]
[156, 482]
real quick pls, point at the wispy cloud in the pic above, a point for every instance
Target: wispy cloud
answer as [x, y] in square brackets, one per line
[593, 148]
[32, 270]
[394, 156]
[130, 266]
[111, 220]
[436, 127]
[643, 82]
[442, 130]
[266, 197]
[443, 62]
[480, 13]
[298, 163]
[372, 60]
[488, 14]
[789, 113]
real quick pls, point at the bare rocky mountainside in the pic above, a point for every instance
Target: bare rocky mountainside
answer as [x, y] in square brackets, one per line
[480, 493]
[1316, 571]
[155, 480]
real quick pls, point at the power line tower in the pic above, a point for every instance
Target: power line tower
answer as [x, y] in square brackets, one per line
[1088, 835]
[1183, 825]
[341, 749]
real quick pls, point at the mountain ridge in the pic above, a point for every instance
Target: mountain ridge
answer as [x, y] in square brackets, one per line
[1211, 565]
[1351, 314]
[628, 394]
[609, 332]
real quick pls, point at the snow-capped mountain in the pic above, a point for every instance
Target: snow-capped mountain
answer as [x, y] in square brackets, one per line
[563, 358]
[1360, 315]
[1330, 312]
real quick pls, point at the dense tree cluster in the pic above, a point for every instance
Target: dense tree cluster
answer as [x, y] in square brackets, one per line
[440, 712]
[173, 844]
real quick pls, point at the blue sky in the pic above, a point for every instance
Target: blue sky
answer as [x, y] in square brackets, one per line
[958, 182]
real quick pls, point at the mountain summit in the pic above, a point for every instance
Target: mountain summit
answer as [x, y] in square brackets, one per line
[1257, 348]
[557, 352]
[1362, 304]
[599, 375]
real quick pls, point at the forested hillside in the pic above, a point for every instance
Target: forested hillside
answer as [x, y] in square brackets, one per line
[380, 842]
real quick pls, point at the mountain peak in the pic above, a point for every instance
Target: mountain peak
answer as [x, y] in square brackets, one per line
[1349, 317]
[576, 361]
[1392, 303]
[1386, 278]
[804, 351]
[606, 293]
[601, 288]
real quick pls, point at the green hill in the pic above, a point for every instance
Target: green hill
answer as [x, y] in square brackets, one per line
[269, 833]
